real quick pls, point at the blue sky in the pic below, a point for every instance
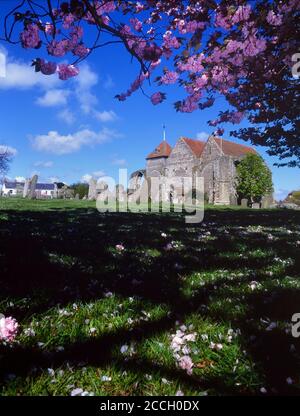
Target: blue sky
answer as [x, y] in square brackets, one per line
[70, 130]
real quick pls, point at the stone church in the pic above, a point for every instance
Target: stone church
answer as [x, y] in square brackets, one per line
[215, 160]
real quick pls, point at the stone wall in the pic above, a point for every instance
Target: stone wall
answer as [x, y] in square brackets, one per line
[181, 160]
[218, 171]
[156, 167]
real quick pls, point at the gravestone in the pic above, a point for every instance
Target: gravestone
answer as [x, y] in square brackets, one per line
[266, 201]
[244, 203]
[77, 197]
[33, 182]
[233, 200]
[26, 188]
[92, 189]
[255, 205]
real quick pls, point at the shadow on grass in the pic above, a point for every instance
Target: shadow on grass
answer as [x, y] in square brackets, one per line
[55, 257]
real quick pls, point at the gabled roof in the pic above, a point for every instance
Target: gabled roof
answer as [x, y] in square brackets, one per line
[162, 150]
[13, 184]
[196, 146]
[45, 187]
[39, 186]
[233, 149]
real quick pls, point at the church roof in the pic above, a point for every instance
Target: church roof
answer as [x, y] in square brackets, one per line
[233, 149]
[162, 150]
[196, 146]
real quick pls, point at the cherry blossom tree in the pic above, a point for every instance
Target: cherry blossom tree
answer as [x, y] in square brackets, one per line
[241, 50]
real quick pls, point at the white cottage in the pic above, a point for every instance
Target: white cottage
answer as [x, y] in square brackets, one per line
[42, 190]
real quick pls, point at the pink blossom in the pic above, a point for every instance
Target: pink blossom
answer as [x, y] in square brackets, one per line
[194, 25]
[68, 20]
[136, 24]
[139, 7]
[186, 363]
[58, 48]
[170, 77]
[157, 98]
[49, 28]
[193, 64]
[170, 41]
[273, 19]
[200, 82]
[253, 46]
[47, 68]
[76, 32]
[105, 7]
[222, 21]
[190, 337]
[120, 248]
[30, 37]
[242, 13]
[67, 71]
[189, 105]
[8, 329]
[81, 50]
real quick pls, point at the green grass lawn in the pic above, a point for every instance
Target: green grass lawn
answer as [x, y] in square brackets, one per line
[104, 321]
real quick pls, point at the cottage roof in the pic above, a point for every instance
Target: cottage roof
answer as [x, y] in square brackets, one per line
[39, 186]
[162, 150]
[45, 187]
[13, 184]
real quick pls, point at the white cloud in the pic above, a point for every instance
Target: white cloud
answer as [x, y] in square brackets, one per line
[86, 178]
[4, 148]
[47, 164]
[86, 78]
[203, 135]
[55, 143]
[2, 64]
[99, 173]
[21, 75]
[53, 98]
[119, 162]
[108, 83]
[20, 179]
[66, 116]
[105, 116]
[85, 81]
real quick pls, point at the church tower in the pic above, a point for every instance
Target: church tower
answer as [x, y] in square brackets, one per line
[157, 160]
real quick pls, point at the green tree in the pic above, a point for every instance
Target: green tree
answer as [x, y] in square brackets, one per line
[81, 189]
[254, 178]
